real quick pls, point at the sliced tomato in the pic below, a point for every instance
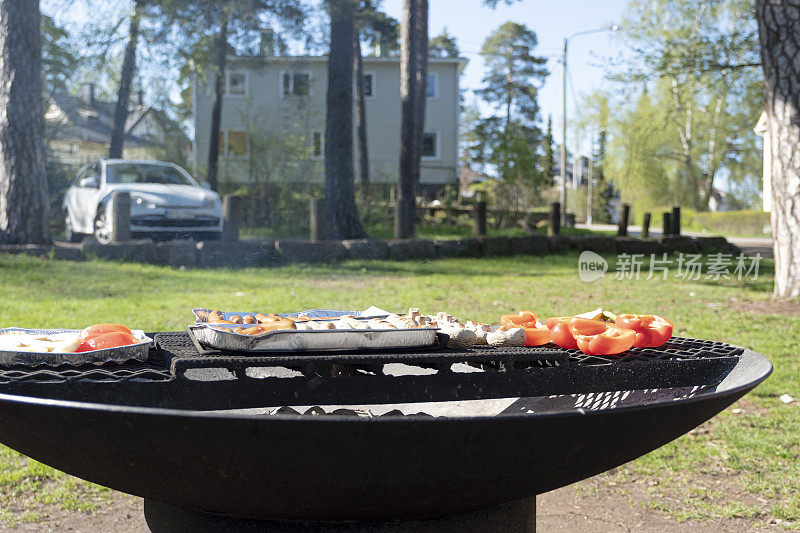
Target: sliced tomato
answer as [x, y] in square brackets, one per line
[99, 329]
[536, 333]
[651, 330]
[114, 339]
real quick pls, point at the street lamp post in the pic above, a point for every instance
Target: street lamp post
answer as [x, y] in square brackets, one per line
[589, 187]
[563, 196]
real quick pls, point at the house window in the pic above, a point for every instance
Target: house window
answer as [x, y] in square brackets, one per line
[432, 89]
[295, 84]
[316, 143]
[430, 145]
[369, 85]
[232, 143]
[236, 84]
[237, 143]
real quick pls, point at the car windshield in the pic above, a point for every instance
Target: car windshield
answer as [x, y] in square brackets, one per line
[139, 173]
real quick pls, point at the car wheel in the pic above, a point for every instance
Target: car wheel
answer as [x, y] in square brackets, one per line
[102, 228]
[69, 232]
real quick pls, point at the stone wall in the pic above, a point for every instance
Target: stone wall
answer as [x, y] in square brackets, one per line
[265, 253]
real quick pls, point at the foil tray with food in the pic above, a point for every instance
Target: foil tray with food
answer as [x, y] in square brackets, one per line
[98, 344]
[318, 329]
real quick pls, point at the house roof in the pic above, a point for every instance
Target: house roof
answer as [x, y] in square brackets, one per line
[460, 61]
[93, 122]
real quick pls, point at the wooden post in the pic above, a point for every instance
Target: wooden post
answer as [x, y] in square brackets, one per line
[676, 220]
[624, 215]
[555, 219]
[646, 226]
[318, 219]
[479, 218]
[120, 216]
[231, 207]
[665, 225]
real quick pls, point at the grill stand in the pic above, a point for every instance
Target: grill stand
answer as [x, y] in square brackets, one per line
[517, 516]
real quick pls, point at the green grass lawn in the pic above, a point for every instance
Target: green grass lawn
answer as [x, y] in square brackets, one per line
[756, 449]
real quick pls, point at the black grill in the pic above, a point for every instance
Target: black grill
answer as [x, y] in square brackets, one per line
[175, 353]
[344, 437]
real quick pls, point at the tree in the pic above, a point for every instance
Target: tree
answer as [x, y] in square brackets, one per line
[361, 112]
[207, 32]
[126, 79]
[413, 85]
[443, 45]
[59, 57]
[704, 60]
[339, 173]
[511, 84]
[640, 171]
[779, 29]
[549, 161]
[377, 27]
[24, 208]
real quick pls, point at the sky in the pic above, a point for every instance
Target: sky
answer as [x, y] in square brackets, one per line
[471, 22]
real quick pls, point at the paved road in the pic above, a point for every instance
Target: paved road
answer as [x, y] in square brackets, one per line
[748, 245]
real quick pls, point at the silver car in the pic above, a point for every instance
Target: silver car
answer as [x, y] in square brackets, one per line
[165, 200]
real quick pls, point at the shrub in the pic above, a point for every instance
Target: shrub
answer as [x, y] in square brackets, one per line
[728, 222]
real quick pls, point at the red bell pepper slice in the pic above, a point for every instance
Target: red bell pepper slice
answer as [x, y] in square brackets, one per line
[592, 337]
[536, 333]
[651, 330]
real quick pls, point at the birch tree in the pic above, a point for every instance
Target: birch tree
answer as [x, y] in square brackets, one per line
[779, 28]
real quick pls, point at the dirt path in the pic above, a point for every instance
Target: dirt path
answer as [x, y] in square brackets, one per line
[591, 506]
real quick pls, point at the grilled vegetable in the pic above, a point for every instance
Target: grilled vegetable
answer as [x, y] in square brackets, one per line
[536, 333]
[592, 337]
[651, 330]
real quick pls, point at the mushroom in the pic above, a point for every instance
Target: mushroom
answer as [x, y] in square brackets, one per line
[401, 322]
[506, 336]
[481, 330]
[413, 314]
[460, 337]
[377, 323]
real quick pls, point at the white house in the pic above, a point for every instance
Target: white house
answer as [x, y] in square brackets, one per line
[273, 119]
[762, 130]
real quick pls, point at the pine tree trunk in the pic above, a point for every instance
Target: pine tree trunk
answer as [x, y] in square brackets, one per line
[361, 113]
[126, 79]
[413, 84]
[339, 166]
[361, 124]
[221, 48]
[779, 29]
[24, 205]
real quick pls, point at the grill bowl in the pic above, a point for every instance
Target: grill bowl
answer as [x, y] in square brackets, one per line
[325, 468]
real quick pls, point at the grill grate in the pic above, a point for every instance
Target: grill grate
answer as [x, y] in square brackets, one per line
[676, 349]
[174, 354]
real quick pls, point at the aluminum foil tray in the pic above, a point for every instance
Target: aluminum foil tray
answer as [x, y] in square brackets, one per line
[311, 313]
[317, 340]
[139, 351]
